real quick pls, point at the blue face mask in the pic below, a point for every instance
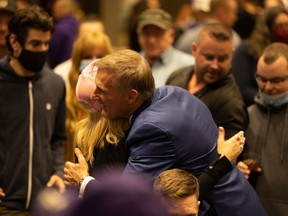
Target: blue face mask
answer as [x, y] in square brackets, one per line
[84, 63]
[275, 101]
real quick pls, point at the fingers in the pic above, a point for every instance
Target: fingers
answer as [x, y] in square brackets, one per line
[241, 139]
[79, 155]
[2, 194]
[56, 181]
[221, 134]
[61, 186]
[244, 169]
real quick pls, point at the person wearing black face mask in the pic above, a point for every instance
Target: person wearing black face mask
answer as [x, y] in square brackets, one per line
[32, 129]
[32, 61]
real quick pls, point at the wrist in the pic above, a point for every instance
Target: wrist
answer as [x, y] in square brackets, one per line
[82, 179]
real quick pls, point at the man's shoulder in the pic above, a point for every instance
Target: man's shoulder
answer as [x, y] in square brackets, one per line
[181, 75]
[52, 77]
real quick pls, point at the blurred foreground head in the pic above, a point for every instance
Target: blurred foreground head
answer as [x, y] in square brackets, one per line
[115, 196]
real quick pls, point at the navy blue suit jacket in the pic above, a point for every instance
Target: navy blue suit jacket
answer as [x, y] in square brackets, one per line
[174, 129]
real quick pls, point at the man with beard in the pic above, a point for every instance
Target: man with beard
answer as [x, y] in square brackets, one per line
[32, 113]
[211, 80]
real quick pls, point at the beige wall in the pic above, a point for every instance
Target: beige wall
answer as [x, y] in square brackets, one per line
[114, 12]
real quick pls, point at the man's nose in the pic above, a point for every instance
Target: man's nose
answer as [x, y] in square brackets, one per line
[268, 86]
[215, 64]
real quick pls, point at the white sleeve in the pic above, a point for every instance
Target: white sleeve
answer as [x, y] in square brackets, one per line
[83, 184]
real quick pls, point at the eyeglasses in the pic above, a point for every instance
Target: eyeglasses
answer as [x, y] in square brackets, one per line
[273, 81]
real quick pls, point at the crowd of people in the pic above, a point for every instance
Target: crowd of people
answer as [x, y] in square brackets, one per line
[189, 122]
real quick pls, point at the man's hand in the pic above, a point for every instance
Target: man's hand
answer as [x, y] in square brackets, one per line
[244, 169]
[58, 182]
[232, 147]
[2, 194]
[74, 172]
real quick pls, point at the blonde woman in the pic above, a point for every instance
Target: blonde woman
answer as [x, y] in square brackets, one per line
[86, 48]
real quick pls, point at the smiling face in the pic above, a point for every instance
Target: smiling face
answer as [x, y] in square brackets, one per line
[212, 59]
[114, 101]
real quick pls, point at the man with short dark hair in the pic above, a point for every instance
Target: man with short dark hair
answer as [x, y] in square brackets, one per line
[267, 131]
[32, 113]
[210, 78]
[216, 11]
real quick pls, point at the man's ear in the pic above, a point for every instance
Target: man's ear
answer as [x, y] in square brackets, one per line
[14, 42]
[133, 96]
[15, 45]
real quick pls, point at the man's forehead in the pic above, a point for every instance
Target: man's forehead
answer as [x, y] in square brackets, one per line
[279, 66]
[103, 77]
[36, 34]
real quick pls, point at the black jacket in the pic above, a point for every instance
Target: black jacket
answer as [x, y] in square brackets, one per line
[32, 131]
[223, 99]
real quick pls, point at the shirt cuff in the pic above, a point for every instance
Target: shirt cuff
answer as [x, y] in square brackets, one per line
[83, 185]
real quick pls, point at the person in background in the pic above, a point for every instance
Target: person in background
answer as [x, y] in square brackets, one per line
[219, 11]
[65, 33]
[179, 192]
[22, 4]
[132, 20]
[156, 140]
[156, 36]
[267, 132]
[7, 9]
[211, 80]
[87, 48]
[271, 26]
[91, 23]
[248, 11]
[88, 25]
[32, 129]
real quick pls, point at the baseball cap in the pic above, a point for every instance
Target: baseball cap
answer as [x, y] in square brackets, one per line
[157, 17]
[8, 6]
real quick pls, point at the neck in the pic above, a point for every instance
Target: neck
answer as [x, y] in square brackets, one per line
[150, 60]
[195, 84]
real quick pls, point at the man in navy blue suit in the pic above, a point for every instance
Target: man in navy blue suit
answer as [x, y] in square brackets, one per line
[169, 128]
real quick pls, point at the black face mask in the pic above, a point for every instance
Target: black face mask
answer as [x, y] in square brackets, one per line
[32, 61]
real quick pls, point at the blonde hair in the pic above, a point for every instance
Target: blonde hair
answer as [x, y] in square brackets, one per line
[83, 48]
[176, 183]
[130, 70]
[92, 132]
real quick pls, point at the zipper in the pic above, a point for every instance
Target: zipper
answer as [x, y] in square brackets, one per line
[31, 141]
